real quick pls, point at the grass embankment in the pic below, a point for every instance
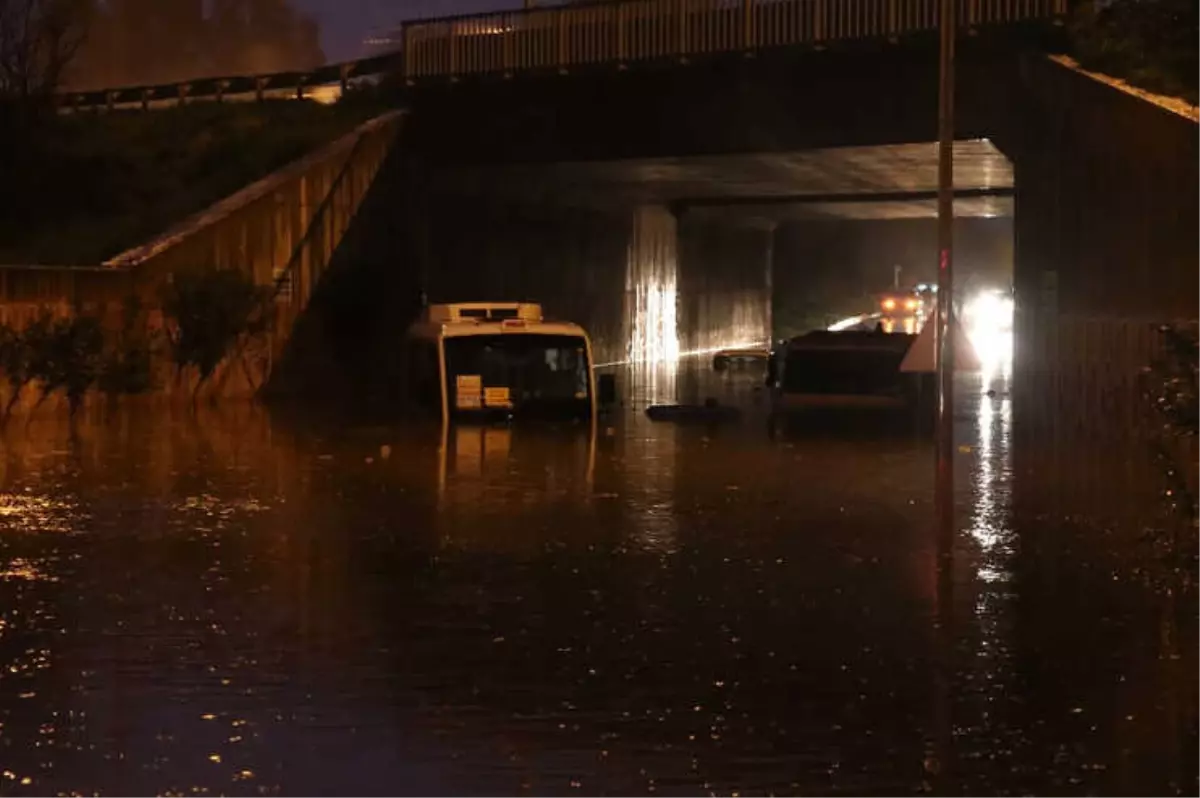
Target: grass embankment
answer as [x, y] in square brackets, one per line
[1150, 45]
[82, 188]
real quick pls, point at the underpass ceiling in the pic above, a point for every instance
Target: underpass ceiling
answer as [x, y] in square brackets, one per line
[813, 184]
[859, 209]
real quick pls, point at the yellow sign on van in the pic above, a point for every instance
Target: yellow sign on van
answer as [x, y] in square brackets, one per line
[467, 391]
[497, 397]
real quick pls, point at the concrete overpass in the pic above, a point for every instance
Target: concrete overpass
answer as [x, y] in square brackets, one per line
[593, 156]
[577, 188]
[558, 38]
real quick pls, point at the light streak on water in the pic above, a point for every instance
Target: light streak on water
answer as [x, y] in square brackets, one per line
[708, 350]
[852, 321]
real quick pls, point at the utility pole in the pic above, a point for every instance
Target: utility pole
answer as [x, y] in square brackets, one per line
[943, 669]
[944, 484]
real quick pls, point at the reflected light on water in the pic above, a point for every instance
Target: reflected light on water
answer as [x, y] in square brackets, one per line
[907, 325]
[32, 513]
[994, 348]
[24, 569]
[654, 383]
[651, 457]
[490, 474]
[988, 514]
[528, 629]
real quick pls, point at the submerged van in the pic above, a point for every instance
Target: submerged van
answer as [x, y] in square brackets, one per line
[480, 361]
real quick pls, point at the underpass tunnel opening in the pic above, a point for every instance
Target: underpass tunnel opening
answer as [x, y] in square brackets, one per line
[666, 260]
[857, 247]
[1104, 240]
[845, 274]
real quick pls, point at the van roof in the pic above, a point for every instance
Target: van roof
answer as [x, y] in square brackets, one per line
[453, 312]
[462, 319]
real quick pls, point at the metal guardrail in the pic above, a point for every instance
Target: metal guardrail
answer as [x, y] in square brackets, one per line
[259, 87]
[608, 31]
[646, 30]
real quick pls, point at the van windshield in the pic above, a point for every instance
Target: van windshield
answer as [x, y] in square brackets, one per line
[518, 374]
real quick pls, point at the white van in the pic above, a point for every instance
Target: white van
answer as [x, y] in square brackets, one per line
[484, 361]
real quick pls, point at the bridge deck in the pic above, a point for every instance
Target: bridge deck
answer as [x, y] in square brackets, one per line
[627, 31]
[610, 32]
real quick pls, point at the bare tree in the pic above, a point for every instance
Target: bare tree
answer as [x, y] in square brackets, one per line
[38, 40]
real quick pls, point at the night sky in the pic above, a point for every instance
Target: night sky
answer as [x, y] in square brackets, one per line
[344, 23]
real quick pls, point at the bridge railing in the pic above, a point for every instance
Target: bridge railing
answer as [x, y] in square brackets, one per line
[577, 35]
[644, 30]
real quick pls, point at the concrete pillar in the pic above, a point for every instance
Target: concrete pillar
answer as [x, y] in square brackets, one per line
[769, 278]
[650, 317]
[651, 286]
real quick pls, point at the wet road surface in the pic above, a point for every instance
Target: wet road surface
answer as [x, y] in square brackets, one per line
[234, 603]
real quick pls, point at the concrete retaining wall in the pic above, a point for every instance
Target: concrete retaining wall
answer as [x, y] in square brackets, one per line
[281, 230]
[1106, 250]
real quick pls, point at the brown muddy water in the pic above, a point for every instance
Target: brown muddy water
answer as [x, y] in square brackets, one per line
[228, 602]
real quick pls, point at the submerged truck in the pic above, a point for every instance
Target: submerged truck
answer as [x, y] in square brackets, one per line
[845, 370]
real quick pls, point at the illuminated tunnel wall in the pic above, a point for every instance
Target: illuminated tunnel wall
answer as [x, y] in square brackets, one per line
[725, 284]
[651, 287]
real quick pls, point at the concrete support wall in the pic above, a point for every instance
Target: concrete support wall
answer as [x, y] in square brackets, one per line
[289, 232]
[1105, 250]
[28, 291]
[724, 284]
[287, 226]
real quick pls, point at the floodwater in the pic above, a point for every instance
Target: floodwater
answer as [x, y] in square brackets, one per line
[232, 603]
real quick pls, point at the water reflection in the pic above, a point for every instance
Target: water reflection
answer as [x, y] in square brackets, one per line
[652, 383]
[500, 486]
[991, 477]
[909, 325]
[240, 604]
